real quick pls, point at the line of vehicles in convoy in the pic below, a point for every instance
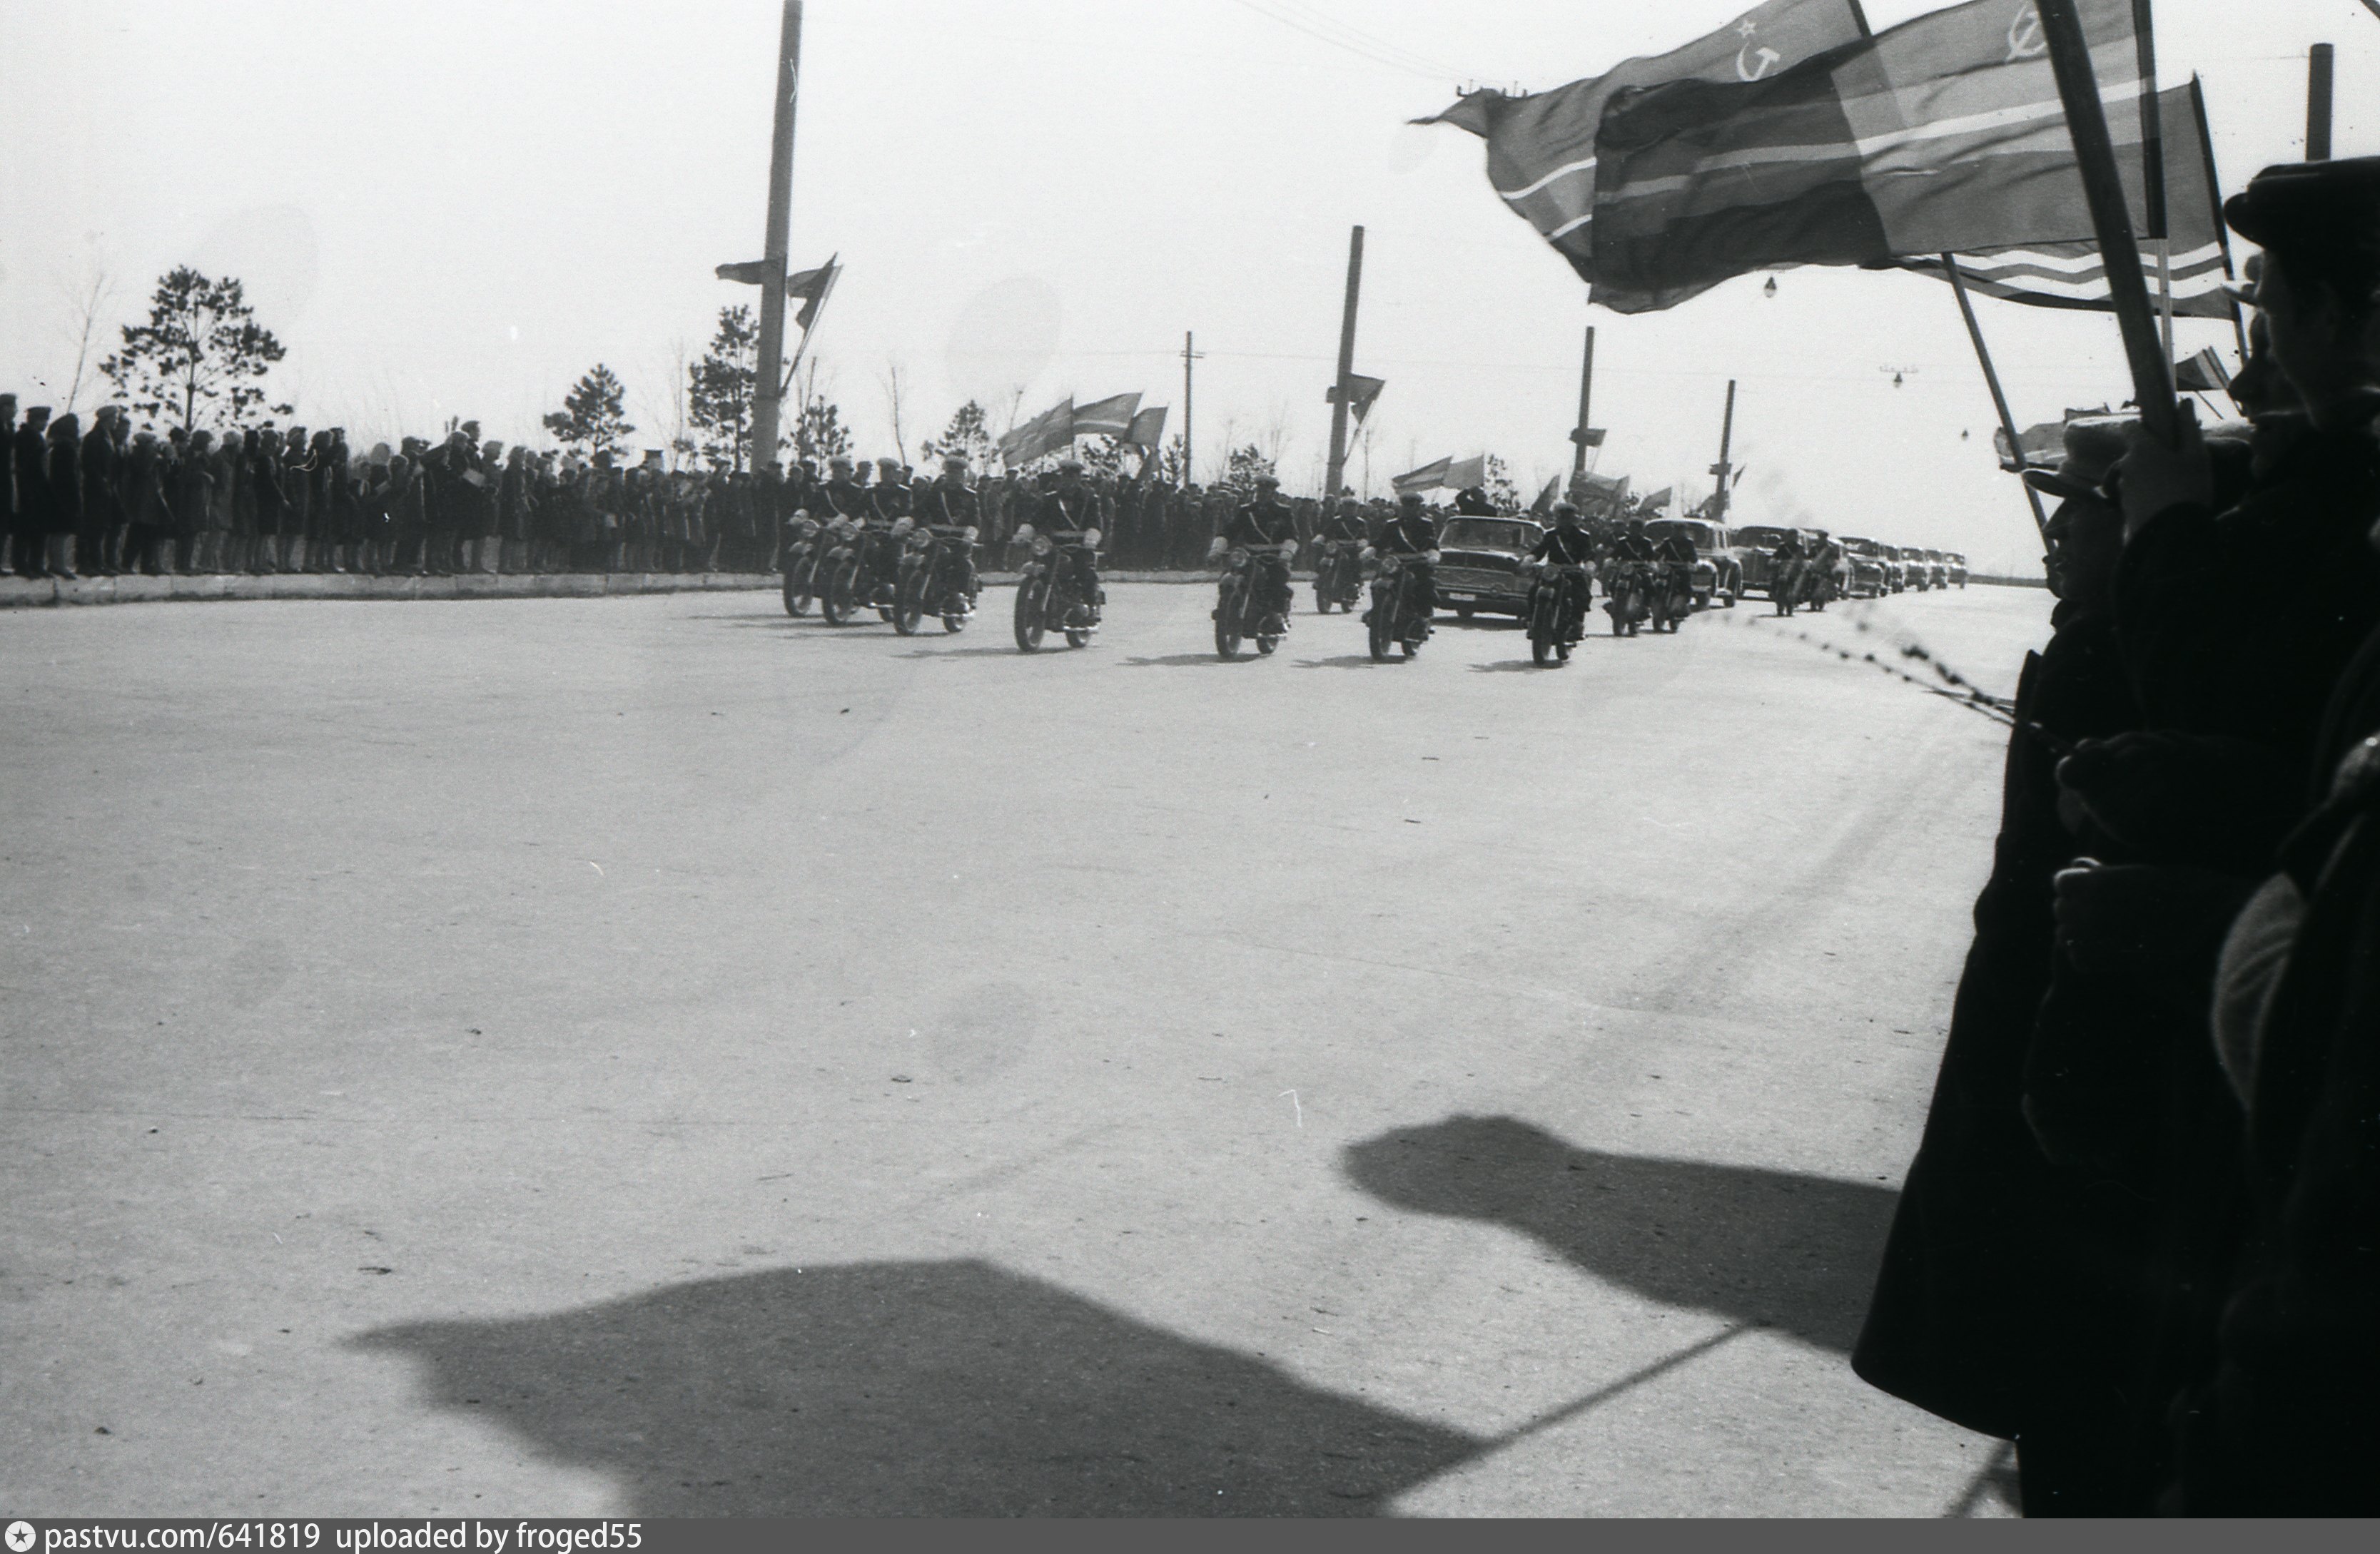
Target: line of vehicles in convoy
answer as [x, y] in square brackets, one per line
[1486, 565]
[908, 573]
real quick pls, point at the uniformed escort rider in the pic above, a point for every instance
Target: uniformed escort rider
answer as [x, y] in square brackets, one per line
[1265, 529]
[1411, 536]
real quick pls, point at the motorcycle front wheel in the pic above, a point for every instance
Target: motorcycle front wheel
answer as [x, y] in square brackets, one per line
[1227, 629]
[1031, 595]
[836, 604]
[1383, 629]
[909, 604]
[797, 593]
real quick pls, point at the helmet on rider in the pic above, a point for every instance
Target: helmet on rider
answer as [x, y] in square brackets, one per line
[1566, 514]
[1268, 482]
[956, 463]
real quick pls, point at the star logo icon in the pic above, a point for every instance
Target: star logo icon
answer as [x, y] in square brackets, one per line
[21, 1537]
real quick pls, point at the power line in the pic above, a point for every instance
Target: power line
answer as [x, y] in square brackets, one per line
[1357, 46]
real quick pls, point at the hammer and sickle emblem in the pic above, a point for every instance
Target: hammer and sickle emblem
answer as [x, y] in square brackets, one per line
[1751, 63]
[2024, 39]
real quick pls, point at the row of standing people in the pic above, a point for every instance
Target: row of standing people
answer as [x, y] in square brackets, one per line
[2141, 1237]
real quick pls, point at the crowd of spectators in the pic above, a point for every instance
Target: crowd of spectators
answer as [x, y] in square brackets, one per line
[2141, 1238]
[108, 501]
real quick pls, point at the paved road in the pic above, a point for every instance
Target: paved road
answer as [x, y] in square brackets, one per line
[649, 1056]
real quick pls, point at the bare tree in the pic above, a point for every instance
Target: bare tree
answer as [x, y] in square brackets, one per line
[86, 304]
[1274, 438]
[895, 389]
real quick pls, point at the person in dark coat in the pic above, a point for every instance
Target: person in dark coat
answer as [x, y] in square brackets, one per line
[64, 470]
[194, 504]
[147, 519]
[265, 496]
[1992, 1309]
[300, 542]
[31, 530]
[8, 482]
[95, 474]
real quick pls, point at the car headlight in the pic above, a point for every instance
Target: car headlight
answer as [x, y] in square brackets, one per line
[1091, 538]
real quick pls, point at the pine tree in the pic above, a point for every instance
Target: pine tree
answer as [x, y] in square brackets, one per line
[966, 437]
[592, 420]
[820, 435]
[1501, 492]
[1245, 464]
[1174, 461]
[202, 354]
[720, 391]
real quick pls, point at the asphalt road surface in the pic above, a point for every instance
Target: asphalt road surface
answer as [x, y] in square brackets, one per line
[651, 1057]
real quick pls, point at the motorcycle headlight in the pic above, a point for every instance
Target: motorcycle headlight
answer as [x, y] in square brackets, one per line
[969, 533]
[1091, 538]
[1041, 545]
[1430, 556]
[903, 525]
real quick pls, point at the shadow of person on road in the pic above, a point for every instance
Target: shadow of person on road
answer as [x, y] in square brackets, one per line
[1193, 661]
[929, 1389]
[1350, 660]
[1771, 1247]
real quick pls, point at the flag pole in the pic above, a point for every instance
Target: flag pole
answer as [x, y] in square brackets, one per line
[1585, 399]
[1726, 444]
[1992, 382]
[768, 396]
[1336, 474]
[2087, 121]
[2318, 82]
[2214, 193]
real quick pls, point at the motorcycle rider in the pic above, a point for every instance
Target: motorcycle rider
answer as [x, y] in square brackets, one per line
[1784, 584]
[950, 508]
[1063, 514]
[1825, 556]
[1344, 522]
[1566, 544]
[1264, 520]
[1675, 557]
[846, 494]
[1410, 536]
[1343, 525]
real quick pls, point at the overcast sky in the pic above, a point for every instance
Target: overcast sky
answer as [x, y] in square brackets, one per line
[449, 208]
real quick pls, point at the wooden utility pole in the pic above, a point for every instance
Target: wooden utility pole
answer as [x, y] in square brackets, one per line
[2087, 122]
[768, 379]
[1335, 474]
[2318, 79]
[1189, 444]
[1726, 445]
[1585, 402]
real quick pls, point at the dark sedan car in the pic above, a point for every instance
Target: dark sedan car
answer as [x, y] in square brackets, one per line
[1480, 563]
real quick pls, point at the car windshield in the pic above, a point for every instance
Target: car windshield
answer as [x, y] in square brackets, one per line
[1700, 533]
[1488, 534]
[1760, 536]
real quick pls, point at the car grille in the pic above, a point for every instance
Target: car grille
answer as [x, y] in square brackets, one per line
[1477, 579]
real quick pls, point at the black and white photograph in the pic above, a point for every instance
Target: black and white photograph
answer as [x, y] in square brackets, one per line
[788, 760]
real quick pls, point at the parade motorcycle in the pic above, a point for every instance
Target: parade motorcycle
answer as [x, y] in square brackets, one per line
[1631, 599]
[1049, 595]
[1557, 604]
[804, 550]
[1671, 596]
[934, 581]
[1255, 582]
[861, 572]
[1396, 619]
[1789, 585]
[1338, 576]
